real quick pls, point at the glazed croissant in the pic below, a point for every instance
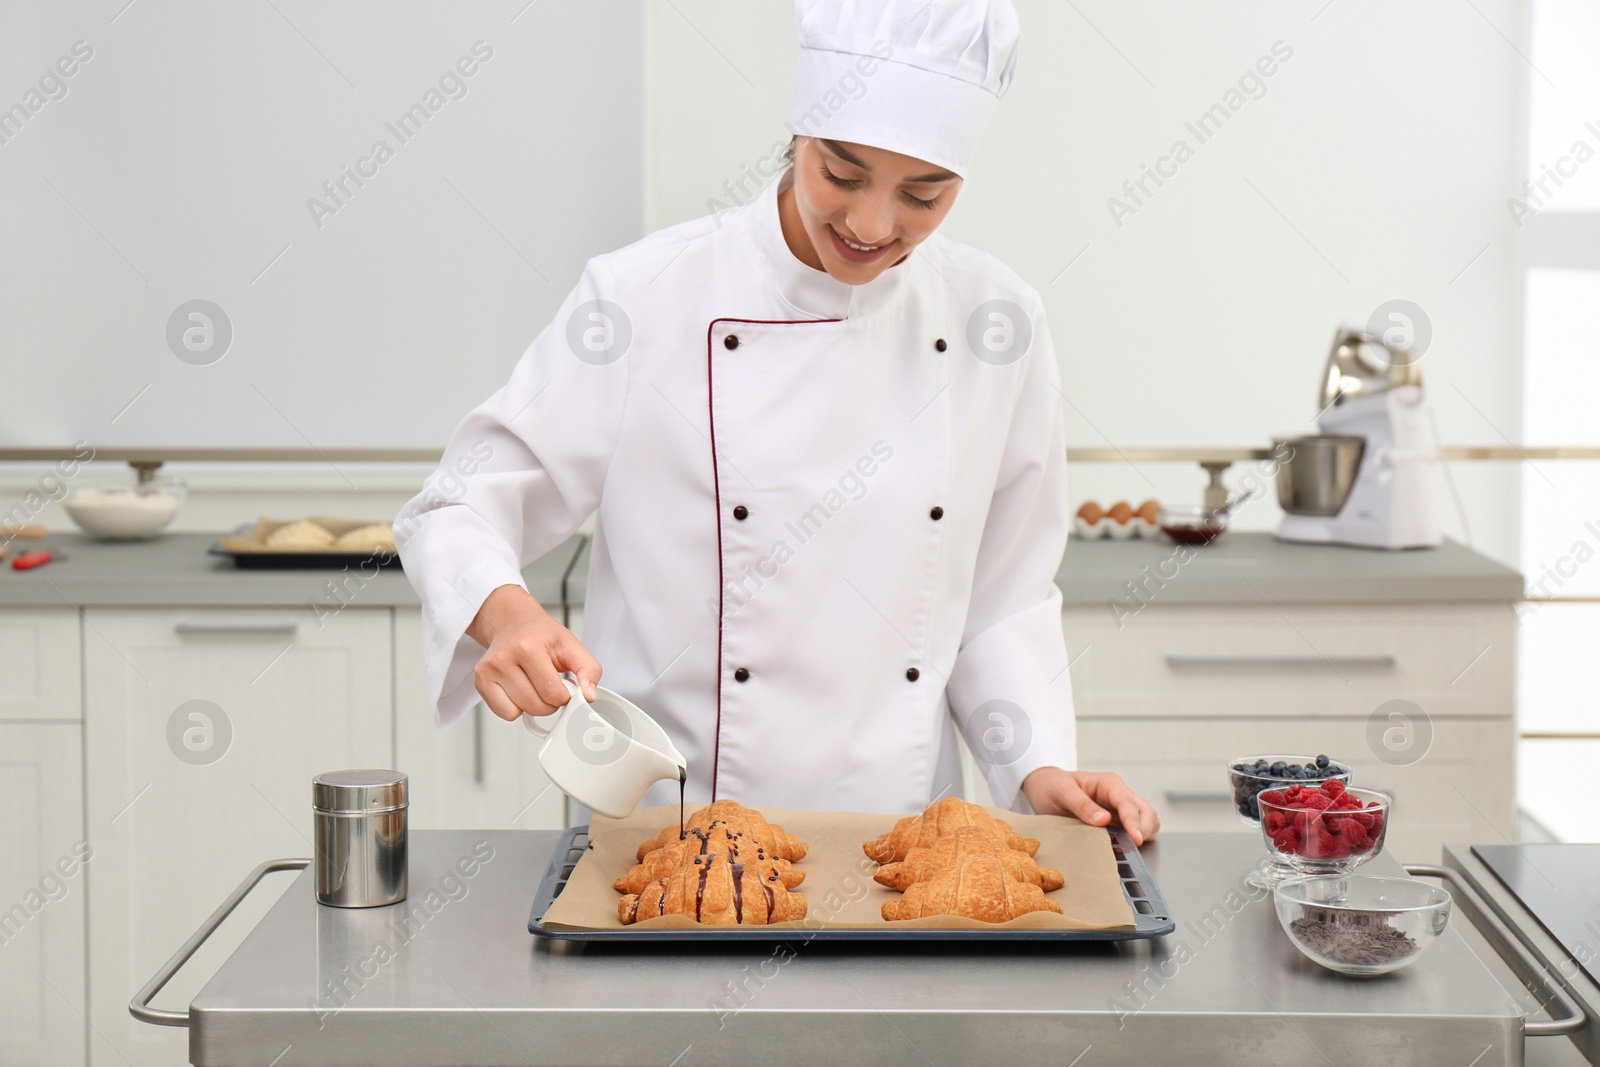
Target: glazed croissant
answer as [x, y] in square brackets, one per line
[977, 888]
[714, 890]
[938, 819]
[778, 843]
[717, 837]
[921, 864]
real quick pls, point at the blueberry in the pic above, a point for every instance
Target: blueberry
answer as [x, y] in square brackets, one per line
[1322, 760]
[1277, 768]
[1261, 765]
[1311, 770]
[1255, 808]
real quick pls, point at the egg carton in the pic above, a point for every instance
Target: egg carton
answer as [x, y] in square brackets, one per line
[1106, 526]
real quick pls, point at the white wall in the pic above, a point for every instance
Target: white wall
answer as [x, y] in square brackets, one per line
[179, 164]
[1375, 166]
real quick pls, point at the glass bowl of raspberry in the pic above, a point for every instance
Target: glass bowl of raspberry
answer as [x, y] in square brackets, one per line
[1249, 776]
[1327, 828]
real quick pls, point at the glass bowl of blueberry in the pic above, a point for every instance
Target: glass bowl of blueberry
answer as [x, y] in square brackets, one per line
[1251, 775]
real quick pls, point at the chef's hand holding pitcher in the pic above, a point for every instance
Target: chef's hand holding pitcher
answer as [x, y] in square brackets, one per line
[527, 649]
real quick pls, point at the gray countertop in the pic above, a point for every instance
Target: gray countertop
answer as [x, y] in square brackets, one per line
[1245, 567]
[464, 982]
[1251, 567]
[175, 570]
[1242, 567]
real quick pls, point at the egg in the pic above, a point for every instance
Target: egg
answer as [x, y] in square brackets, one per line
[1149, 510]
[1091, 512]
[1122, 512]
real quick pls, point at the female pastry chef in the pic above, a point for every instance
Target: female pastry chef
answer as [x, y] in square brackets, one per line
[825, 448]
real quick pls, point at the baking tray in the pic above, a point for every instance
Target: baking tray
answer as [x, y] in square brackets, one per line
[301, 560]
[1150, 915]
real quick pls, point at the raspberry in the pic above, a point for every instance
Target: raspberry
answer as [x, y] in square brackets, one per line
[1318, 801]
[1272, 796]
[1333, 787]
[1275, 820]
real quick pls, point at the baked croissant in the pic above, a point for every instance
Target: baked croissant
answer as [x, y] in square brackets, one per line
[921, 864]
[717, 837]
[977, 888]
[938, 819]
[778, 843]
[714, 890]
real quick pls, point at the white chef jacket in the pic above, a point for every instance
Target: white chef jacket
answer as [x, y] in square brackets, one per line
[827, 530]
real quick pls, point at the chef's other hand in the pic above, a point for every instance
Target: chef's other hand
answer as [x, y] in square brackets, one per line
[527, 651]
[1091, 796]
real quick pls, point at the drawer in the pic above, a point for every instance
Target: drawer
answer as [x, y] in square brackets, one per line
[1460, 790]
[1309, 661]
[41, 672]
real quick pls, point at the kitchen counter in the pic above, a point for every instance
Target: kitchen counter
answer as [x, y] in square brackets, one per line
[1248, 567]
[466, 983]
[1243, 567]
[1252, 567]
[175, 570]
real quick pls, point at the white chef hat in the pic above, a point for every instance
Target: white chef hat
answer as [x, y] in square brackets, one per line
[919, 77]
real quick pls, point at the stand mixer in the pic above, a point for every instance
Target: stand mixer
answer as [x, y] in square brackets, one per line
[1368, 479]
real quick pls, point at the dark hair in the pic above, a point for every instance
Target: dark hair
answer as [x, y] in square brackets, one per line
[788, 153]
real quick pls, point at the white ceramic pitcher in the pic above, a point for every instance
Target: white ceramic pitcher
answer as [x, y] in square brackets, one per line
[604, 755]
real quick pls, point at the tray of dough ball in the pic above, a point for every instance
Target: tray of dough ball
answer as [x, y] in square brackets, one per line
[276, 544]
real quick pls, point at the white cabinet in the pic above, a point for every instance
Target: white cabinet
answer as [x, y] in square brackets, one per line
[203, 730]
[482, 773]
[1295, 660]
[42, 879]
[1167, 699]
[40, 665]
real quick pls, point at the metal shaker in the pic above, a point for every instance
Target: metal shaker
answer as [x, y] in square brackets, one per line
[360, 837]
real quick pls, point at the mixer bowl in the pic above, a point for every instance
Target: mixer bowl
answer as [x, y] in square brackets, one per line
[1317, 477]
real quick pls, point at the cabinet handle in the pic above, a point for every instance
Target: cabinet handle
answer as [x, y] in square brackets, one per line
[1572, 1016]
[139, 1007]
[1282, 663]
[1175, 796]
[246, 629]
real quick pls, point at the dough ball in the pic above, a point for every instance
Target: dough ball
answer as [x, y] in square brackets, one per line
[299, 536]
[374, 538]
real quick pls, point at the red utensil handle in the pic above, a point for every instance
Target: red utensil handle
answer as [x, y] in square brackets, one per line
[28, 560]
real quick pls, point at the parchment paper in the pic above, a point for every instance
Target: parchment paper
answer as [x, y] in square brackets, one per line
[838, 887]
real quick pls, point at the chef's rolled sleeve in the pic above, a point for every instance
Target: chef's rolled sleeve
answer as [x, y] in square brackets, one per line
[1009, 690]
[520, 474]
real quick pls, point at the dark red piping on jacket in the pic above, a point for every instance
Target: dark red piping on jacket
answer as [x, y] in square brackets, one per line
[716, 486]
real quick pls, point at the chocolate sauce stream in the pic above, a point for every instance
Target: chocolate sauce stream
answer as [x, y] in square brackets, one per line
[738, 892]
[683, 778]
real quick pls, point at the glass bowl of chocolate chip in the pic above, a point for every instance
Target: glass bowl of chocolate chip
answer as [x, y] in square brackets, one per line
[1361, 924]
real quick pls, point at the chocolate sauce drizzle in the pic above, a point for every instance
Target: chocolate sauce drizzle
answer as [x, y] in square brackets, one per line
[700, 894]
[738, 892]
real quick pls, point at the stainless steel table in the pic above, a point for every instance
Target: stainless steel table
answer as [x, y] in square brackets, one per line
[452, 977]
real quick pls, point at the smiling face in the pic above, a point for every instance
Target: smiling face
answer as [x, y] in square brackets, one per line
[855, 211]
